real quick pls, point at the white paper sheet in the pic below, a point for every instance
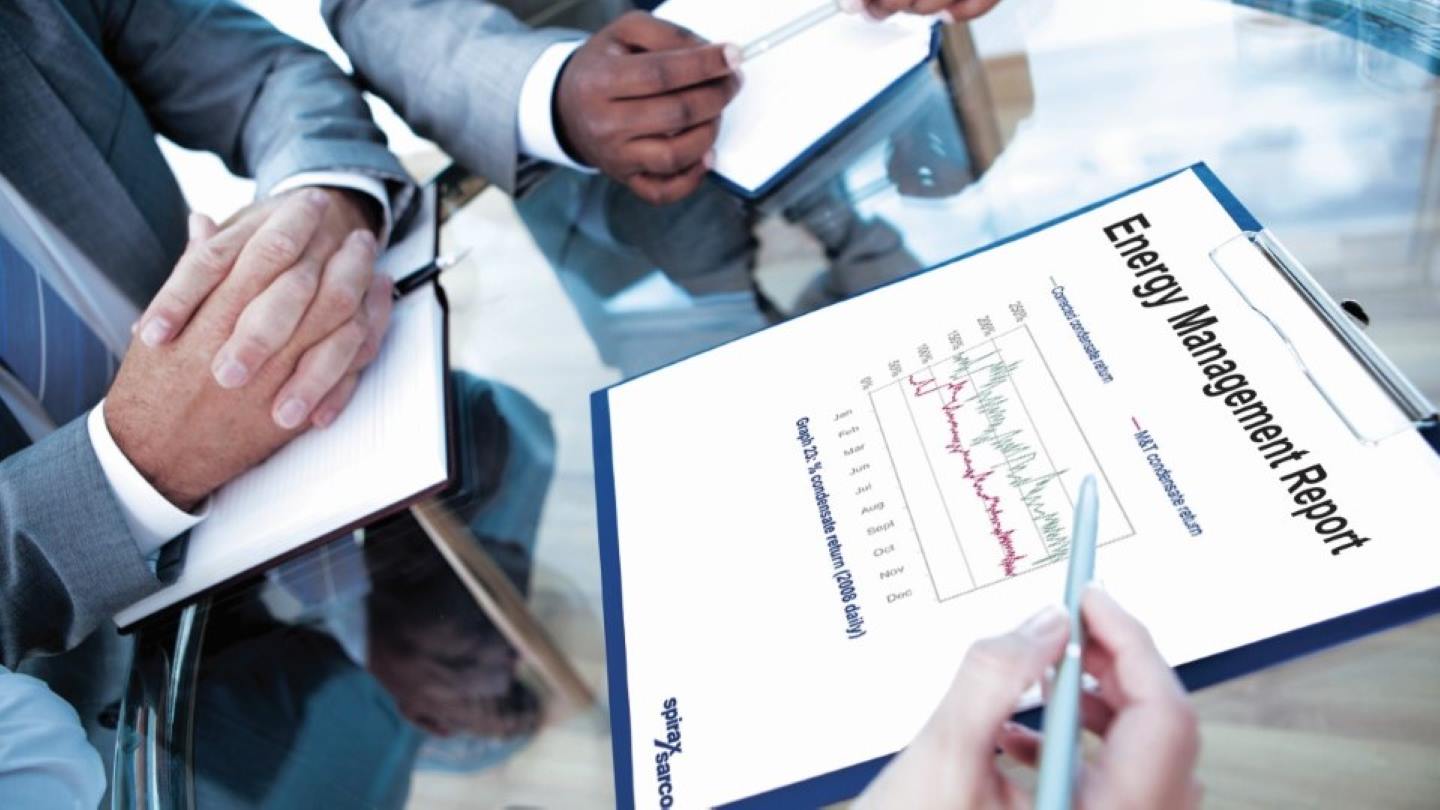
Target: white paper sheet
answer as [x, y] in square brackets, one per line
[797, 93]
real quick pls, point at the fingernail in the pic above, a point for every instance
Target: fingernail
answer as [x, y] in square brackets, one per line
[155, 332]
[364, 239]
[324, 417]
[946, 17]
[290, 413]
[193, 226]
[1048, 622]
[134, 329]
[739, 79]
[231, 374]
[734, 56]
[317, 198]
[851, 6]
[709, 160]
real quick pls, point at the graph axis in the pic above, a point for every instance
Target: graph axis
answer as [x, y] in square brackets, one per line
[1069, 499]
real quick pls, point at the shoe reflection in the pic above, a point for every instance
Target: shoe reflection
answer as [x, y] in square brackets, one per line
[330, 682]
[446, 665]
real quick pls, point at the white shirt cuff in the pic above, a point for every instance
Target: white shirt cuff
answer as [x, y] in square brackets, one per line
[152, 519]
[349, 180]
[538, 138]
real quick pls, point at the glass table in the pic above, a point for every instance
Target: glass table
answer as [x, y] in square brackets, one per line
[365, 674]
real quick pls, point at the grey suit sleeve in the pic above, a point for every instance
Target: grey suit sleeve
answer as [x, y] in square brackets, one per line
[214, 76]
[453, 69]
[67, 560]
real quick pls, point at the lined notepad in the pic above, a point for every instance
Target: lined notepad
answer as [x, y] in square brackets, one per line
[805, 88]
[387, 447]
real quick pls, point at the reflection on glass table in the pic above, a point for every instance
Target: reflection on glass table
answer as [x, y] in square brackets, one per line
[329, 681]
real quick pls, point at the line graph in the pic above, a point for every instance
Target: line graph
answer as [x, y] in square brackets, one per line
[987, 453]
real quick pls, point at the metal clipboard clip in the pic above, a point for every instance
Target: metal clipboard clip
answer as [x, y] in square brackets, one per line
[1419, 413]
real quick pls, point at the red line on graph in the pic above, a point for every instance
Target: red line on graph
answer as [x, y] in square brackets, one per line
[950, 407]
[923, 387]
[950, 404]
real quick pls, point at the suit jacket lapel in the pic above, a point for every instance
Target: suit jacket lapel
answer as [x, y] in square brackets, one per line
[49, 157]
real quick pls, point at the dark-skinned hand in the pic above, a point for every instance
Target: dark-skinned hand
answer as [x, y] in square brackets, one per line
[641, 101]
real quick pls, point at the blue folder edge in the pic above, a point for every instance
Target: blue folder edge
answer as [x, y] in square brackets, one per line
[833, 135]
[614, 618]
[848, 782]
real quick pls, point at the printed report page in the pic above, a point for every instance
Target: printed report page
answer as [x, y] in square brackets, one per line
[814, 523]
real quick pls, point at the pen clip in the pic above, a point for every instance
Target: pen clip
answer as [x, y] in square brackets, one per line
[414, 280]
[1417, 410]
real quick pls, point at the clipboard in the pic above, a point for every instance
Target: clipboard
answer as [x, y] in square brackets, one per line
[1417, 411]
[766, 136]
[817, 149]
[176, 554]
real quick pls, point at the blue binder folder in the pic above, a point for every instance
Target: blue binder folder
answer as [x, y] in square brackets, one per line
[851, 780]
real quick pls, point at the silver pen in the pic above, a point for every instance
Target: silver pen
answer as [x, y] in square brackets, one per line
[1060, 748]
[795, 28]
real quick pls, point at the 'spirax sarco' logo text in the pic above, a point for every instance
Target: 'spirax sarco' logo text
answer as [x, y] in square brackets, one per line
[668, 747]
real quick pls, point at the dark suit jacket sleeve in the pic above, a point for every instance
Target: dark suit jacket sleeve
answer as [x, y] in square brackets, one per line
[214, 76]
[67, 560]
[453, 69]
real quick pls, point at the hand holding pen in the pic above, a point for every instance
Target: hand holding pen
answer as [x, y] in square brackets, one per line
[1149, 738]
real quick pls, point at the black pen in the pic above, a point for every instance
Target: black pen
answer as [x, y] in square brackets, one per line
[414, 281]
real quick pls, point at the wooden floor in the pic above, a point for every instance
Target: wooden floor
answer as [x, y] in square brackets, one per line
[1356, 726]
[1353, 727]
